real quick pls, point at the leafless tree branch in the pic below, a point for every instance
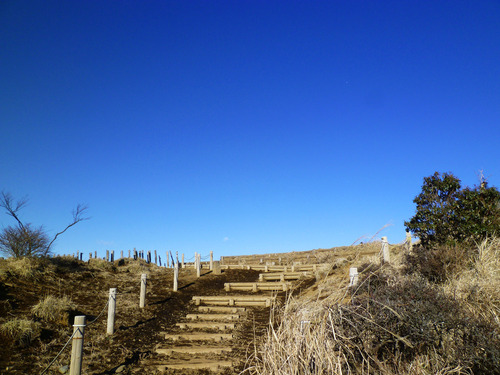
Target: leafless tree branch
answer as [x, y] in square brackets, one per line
[78, 215]
[7, 202]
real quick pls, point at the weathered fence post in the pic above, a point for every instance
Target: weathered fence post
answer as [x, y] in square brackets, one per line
[408, 243]
[112, 255]
[198, 266]
[111, 311]
[90, 256]
[168, 259]
[95, 254]
[176, 277]
[107, 255]
[128, 253]
[211, 260]
[142, 300]
[159, 260]
[353, 276]
[121, 254]
[183, 265]
[156, 258]
[77, 345]
[386, 257]
[216, 269]
[135, 254]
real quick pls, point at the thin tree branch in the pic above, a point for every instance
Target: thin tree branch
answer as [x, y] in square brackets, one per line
[7, 202]
[78, 213]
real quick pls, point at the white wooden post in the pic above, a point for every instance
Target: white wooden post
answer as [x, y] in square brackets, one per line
[111, 311]
[211, 260]
[168, 259]
[408, 241]
[217, 268]
[353, 276]
[183, 265]
[121, 257]
[142, 300]
[386, 257]
[77, 345]
[198, 266]
[176, 277]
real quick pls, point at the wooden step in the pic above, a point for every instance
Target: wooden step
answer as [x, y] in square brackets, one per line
[194, 350]
[267, 268]
[235, 300]
[283, 276]
[212, 316]
[260, 286]
[221, 309]
[199, 336]
[206, 325]
[196, 364]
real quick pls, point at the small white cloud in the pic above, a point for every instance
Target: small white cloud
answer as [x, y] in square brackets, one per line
[225, 239]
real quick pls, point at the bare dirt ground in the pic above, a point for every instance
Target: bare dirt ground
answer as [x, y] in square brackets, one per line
[131, 348]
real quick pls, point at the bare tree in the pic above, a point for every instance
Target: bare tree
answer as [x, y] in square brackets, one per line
[24, 239]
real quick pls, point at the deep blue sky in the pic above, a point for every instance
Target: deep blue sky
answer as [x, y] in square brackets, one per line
[242, 126]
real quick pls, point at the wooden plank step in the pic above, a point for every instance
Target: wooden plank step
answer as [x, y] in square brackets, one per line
[198, 364]
[194, 350]
[283, 276]
[235, 300]
[255, 287]
[199, 336]
[206, 325]
[267, 268]
[212, 316]
[221, 309]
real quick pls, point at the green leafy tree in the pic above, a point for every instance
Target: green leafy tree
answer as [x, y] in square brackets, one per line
[24, 240]
[448, 214]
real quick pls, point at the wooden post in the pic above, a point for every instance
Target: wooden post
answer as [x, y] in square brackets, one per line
[95, 254]
[111, 311]
[112, 255]
[408, 243]
[142, 300]
[159, 260]
[176, 277]
[156, 258]
[128, 253]
[211, 260]
[198, 266]
[177, 258]
[168, 259]
[217, 270]
[107, 255]
[386, 256]
[121, 254]
[183, 265]
[90, 256]
[77, 345]
[353, 276]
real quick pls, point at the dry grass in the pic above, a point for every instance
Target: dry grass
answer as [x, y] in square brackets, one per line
[22, 331]
[27, 268]
[53, 309]
[390, 324]
[478, 288]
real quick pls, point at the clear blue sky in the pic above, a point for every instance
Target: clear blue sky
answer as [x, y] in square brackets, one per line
[242, 126]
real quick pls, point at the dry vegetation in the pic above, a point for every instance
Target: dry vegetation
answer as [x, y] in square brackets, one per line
[398, 320]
